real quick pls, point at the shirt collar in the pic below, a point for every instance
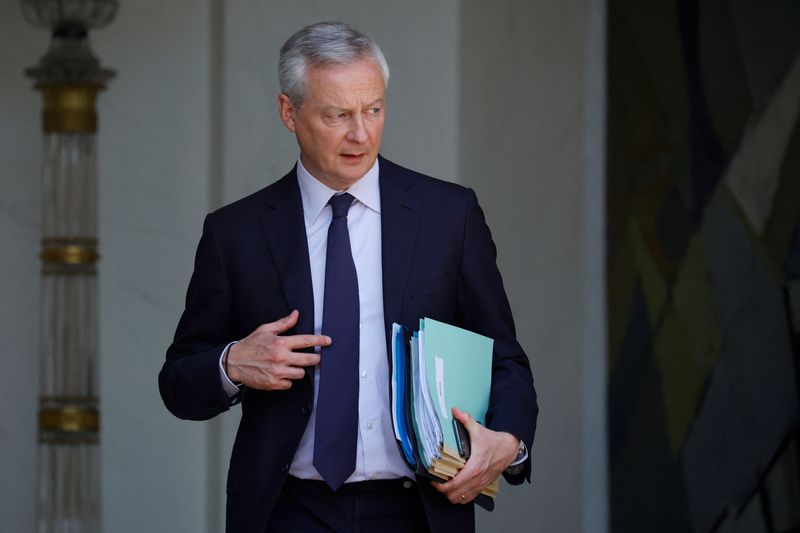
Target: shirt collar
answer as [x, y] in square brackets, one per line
[315, 194]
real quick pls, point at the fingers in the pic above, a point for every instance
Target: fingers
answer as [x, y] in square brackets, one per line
[465, 486]
[457, 493]
[276, 379]
[293, 342]
[299, 359]
[268, 360]
[281, 384]
[283, 324]
[475, 475]
[464, 483]
[293, 372]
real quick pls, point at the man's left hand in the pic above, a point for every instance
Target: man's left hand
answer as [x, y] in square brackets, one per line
[491, 453]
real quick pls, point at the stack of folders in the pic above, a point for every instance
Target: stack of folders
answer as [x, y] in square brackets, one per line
[434, 369]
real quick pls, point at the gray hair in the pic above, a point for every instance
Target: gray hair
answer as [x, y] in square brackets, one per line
[324, 43]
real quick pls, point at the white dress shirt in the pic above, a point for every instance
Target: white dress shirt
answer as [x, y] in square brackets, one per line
[377, 455]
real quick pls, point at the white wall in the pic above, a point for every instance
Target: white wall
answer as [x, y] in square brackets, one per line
[154, 191]
[20, 157]
[190, 123]
[154, 181]
[532, 146]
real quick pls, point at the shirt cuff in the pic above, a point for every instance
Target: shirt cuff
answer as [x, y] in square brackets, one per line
[230, 388]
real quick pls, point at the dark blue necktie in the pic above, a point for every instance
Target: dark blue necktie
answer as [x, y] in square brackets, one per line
[337, 400]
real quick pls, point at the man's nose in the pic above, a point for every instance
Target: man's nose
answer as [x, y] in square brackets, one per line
[358, 130]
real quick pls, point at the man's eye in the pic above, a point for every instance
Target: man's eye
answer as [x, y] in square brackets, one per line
[374, 110]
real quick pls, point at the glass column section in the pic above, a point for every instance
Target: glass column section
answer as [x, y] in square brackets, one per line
[69, 78]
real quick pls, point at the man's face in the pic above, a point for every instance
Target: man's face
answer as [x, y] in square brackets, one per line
[340, 122]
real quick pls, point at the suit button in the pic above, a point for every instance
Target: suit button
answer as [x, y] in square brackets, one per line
[286, 468]
[306, 409]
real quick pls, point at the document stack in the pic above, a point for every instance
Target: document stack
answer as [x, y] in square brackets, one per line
[434, 369]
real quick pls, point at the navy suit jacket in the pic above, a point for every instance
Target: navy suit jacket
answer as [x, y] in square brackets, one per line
[252, 267]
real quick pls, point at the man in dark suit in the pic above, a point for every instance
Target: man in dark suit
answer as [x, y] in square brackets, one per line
[291, 302]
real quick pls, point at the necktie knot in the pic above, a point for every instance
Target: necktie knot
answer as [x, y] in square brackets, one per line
[341, 204]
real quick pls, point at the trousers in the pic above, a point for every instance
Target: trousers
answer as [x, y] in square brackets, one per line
[384, 506]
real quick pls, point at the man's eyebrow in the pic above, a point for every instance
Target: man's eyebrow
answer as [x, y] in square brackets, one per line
[333, 109]
[337, 109]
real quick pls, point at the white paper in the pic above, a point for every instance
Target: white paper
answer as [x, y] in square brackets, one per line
[440, 387]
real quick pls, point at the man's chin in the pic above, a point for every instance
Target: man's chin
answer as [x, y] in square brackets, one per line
[351, 173]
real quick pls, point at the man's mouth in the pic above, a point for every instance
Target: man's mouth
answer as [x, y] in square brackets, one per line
[352, 157]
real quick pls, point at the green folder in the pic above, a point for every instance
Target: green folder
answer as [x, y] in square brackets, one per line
[459, 373]
[433, 370]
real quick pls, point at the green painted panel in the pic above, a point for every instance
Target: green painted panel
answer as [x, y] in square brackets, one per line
[653, 284]
[683, 380]
[693, 298]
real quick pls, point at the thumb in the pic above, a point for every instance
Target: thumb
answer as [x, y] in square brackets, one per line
[463, 417]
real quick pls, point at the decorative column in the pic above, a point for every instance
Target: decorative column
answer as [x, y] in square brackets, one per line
[69, 77]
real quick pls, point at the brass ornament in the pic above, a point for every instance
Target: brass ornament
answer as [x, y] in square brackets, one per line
[69, 108]
[75, 251]
[69, 419]
[70, 255]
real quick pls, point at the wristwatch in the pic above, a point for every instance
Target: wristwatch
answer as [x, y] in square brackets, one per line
[518, 463]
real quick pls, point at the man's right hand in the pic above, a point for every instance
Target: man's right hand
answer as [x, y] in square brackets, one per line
[266, 360]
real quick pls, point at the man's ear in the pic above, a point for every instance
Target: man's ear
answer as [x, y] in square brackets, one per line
[286, 110]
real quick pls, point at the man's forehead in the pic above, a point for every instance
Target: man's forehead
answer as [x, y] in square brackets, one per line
[346, 83]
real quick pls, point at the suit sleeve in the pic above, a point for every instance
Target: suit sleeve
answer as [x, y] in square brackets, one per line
[189, 381]
[485, 308]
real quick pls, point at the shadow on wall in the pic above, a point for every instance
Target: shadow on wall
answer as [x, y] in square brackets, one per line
[704, 265]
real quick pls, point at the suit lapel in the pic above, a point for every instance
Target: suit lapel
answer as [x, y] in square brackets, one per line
[400, 217]
[284, 228]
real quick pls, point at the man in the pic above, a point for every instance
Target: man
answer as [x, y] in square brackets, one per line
[291, 302]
